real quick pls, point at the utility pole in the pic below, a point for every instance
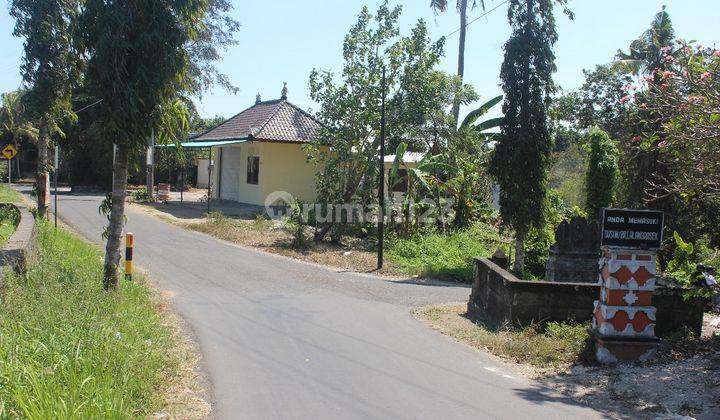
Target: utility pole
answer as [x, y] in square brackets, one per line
[210, 171]
[381, 189]
[150, 162]
[55, 175]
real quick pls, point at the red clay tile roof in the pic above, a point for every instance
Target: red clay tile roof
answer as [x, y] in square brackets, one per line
[277, 120]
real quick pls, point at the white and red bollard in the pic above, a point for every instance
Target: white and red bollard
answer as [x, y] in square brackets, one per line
[624, 319]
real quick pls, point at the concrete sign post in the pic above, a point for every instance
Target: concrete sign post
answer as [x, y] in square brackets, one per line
[624, 319]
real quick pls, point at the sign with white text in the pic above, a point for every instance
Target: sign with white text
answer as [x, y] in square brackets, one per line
[634, 229]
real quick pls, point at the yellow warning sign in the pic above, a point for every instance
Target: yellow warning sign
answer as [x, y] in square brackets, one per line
[9, 151]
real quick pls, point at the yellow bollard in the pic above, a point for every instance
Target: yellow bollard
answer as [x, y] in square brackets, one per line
[129, 242]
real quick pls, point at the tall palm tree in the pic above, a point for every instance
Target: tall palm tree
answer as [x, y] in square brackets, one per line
[14, 125]
[462, 8]
[646, 52]
[646, 56]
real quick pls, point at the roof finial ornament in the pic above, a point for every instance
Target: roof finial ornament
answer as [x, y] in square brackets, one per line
[258, 99]
[283, 96]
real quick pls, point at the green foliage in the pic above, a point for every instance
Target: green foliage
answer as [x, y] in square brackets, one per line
[686, 257]
[51, 60]
[522, 155]
[646, 52]
[68, 350]
[140, 95]
[600, 102]
[567, 175]
[540, 239]
[602, 176]
[350, 111]
[15, 124]
[470, 191]
[444, 256]
[9, 218]
[295, 224]
[140, 195]
[8, 195]
[478, 130]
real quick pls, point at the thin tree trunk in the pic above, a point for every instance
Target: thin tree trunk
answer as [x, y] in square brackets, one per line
[461, 57]
[519, 265]
[320, 234]
[42, 177]
[111, 278]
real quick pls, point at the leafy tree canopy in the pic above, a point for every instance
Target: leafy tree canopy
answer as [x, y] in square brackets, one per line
[522, 156]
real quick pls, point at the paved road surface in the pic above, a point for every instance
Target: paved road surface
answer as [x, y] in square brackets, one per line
[283, 339]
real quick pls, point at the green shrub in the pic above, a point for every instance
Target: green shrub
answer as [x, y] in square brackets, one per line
[141, 195]
[602, 176]
[685, 259]
[295, 224]
[447, 256]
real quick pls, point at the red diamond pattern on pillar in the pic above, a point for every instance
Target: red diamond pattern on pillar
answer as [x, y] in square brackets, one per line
[642, 275]
[623, 275]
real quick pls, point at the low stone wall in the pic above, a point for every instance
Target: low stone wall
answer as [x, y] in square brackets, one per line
[20, 246]
[499, 297]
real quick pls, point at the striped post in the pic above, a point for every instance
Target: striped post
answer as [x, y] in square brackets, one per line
[129, 242]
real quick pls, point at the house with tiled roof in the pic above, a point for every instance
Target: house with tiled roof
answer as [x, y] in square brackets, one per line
[260, 151]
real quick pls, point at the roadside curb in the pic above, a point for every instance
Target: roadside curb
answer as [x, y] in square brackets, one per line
[21, 245]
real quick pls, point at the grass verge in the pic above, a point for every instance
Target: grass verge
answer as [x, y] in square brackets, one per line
[8, 195]
[444, 256]
[8, 216]
[70, 350]
[556, 346]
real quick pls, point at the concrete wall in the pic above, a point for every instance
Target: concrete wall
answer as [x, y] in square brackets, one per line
[283, 167]
[499, 297]
[202, 173]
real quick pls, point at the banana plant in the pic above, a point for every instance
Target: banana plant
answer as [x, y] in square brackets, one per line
[470, 121]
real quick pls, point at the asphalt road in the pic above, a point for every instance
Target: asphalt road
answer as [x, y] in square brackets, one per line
[285, 339]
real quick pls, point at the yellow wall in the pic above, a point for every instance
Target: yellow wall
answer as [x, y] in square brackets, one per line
[283, 167]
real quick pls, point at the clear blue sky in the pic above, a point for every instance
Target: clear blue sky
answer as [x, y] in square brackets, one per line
[281, 41]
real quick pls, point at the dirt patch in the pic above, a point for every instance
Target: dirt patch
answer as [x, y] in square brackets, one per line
[683, 381]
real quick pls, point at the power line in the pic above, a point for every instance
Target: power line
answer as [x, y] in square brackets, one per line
[477, 18]
[88, 106]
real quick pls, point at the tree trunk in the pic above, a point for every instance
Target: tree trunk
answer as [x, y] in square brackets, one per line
[320, 234]
[461, 57]
[111, 278]
[519, 265]
[42, 177]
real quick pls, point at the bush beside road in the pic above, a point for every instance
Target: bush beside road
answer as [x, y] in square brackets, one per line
[70, 349]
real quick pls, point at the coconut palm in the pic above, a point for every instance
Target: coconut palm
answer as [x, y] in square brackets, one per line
[462, 8]
[646, 53]
[14, 126]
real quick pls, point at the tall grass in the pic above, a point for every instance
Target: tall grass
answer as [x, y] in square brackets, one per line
[8, 195]
[445, 256]
[70, 350]
[557, 344]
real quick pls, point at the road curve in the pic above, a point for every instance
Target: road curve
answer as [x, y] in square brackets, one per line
[285, 339]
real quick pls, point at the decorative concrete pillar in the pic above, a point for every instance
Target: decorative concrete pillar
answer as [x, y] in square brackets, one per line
[624, 319]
